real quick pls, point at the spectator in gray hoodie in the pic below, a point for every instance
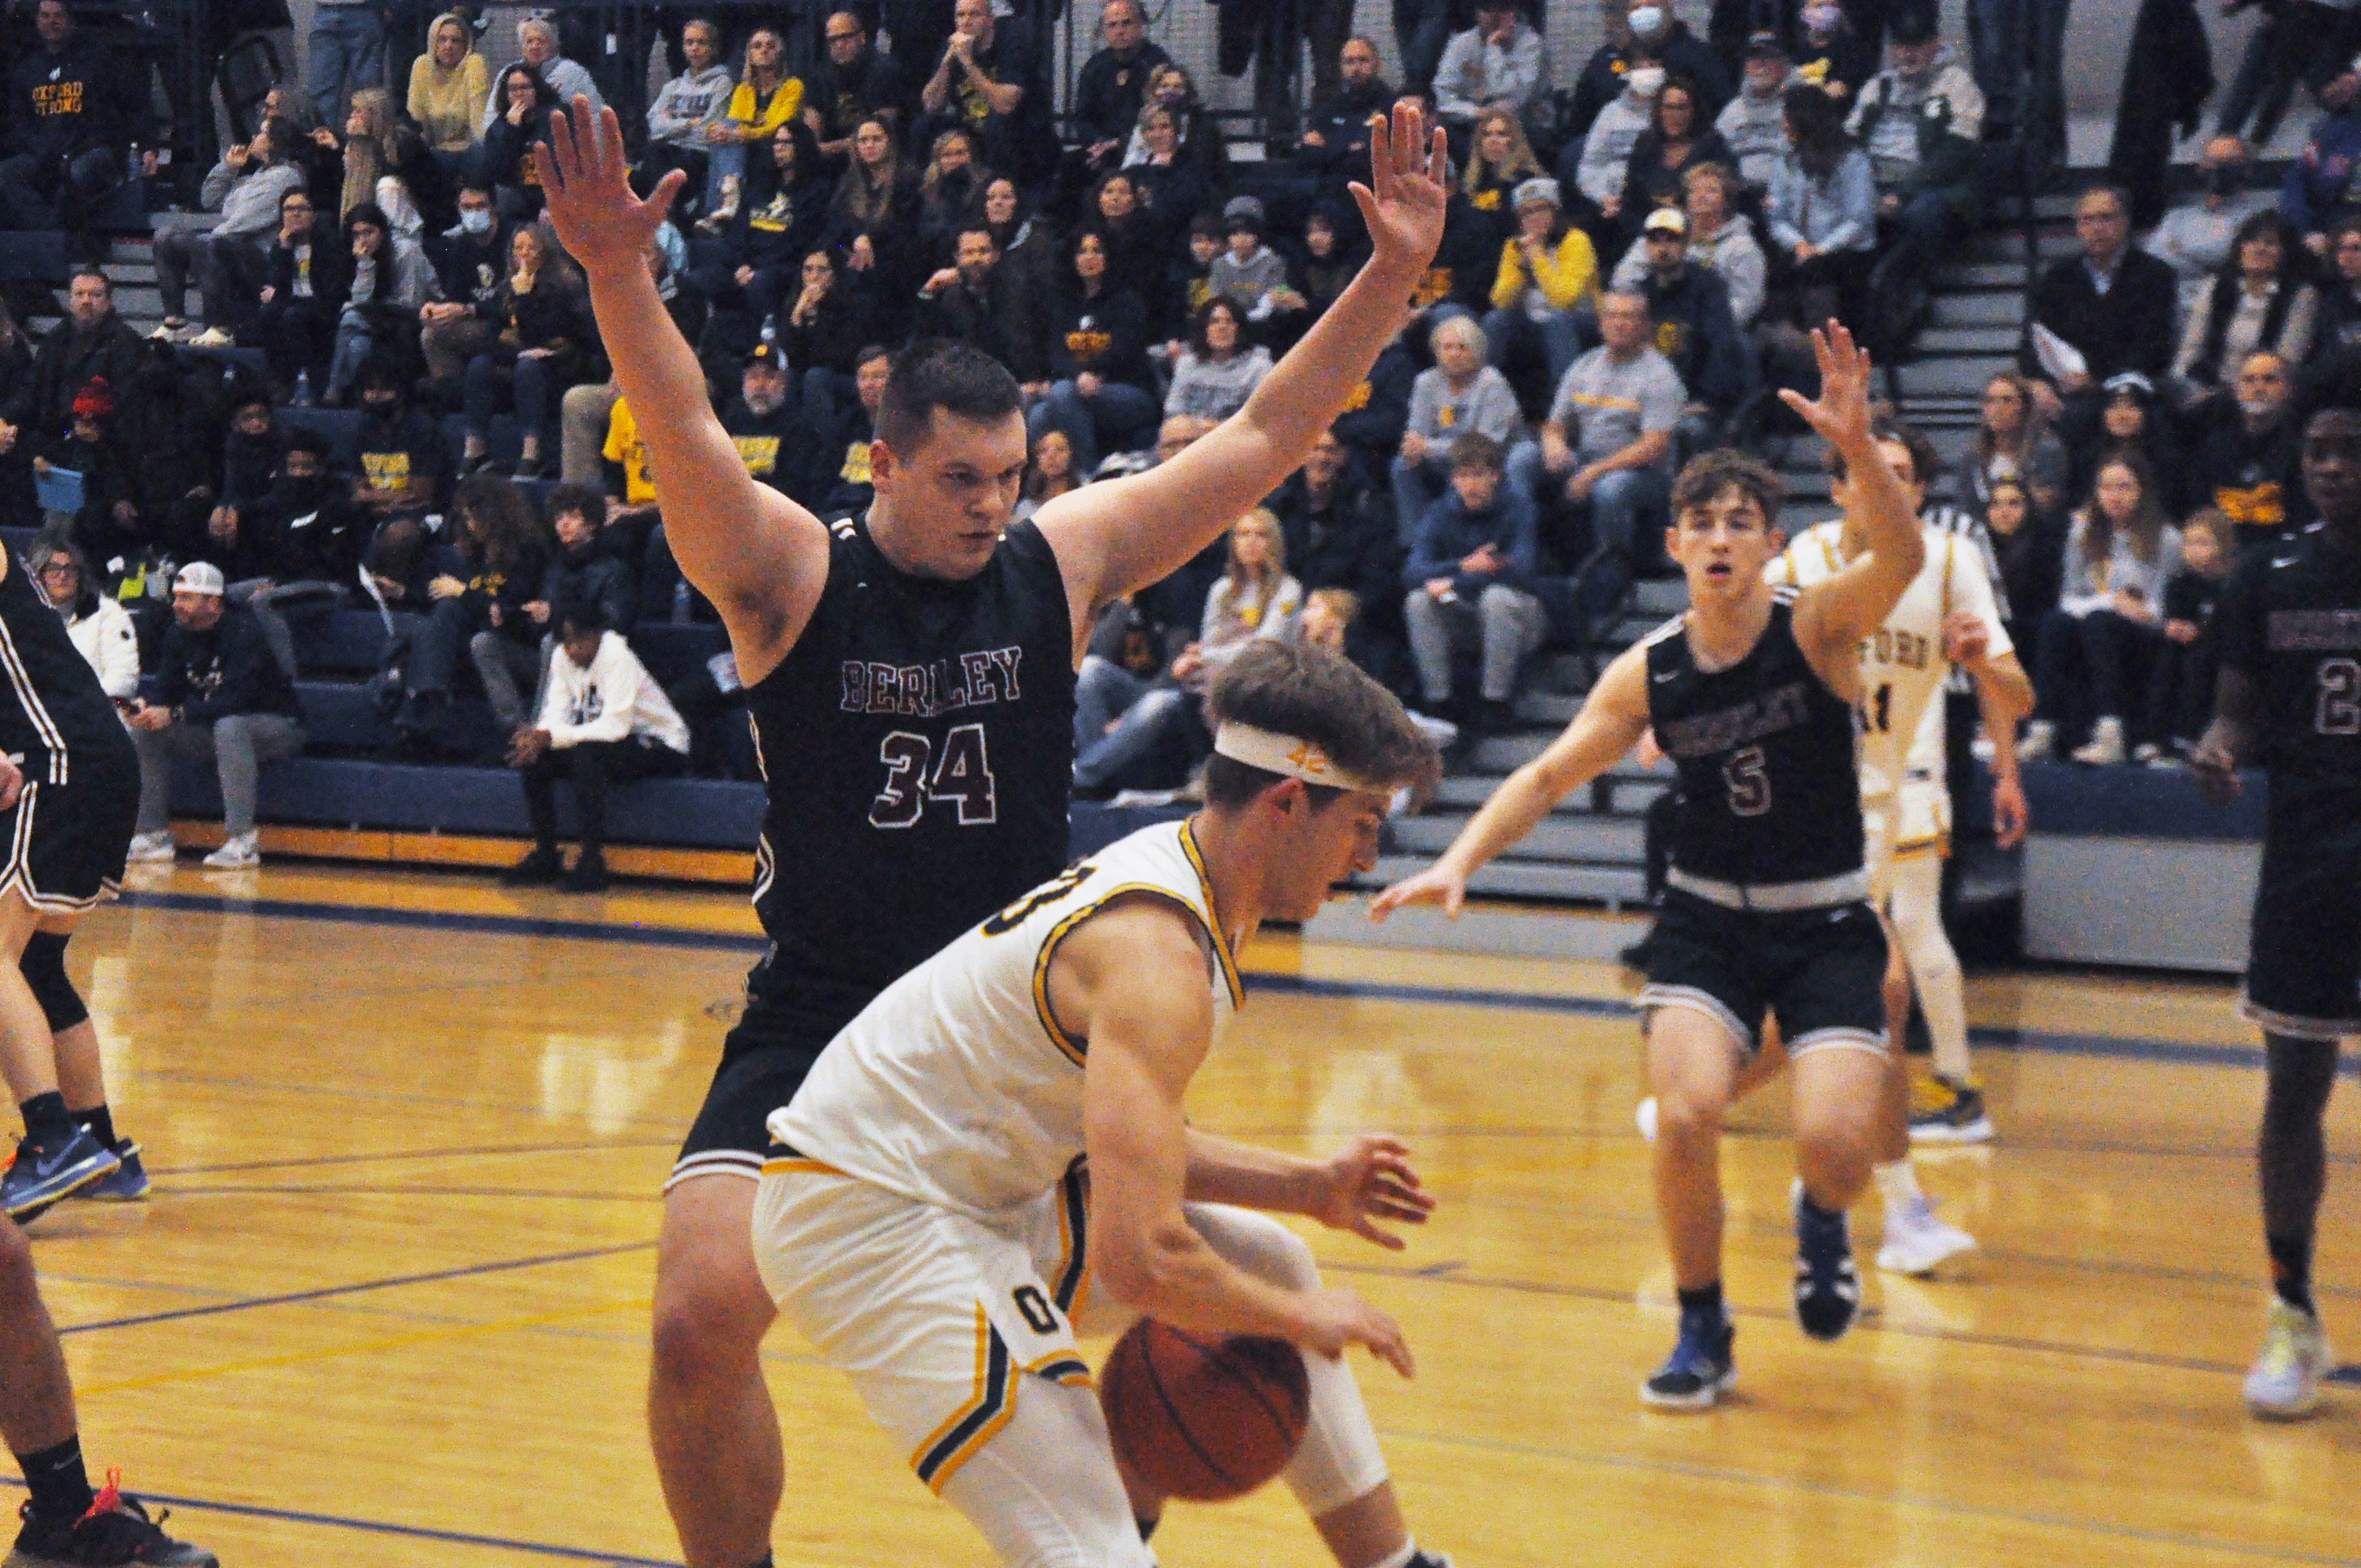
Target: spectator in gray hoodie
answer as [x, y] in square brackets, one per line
[537, 41]
[245, 187]
[1461, 395]
[1217, 373]
[689, 103]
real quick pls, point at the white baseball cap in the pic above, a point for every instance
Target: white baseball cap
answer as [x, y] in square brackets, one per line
[200, 577]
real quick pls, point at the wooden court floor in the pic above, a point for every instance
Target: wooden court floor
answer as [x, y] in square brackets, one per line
[387, 1303]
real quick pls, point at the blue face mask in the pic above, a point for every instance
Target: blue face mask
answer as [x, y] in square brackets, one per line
[478, 222]
[1647, 19]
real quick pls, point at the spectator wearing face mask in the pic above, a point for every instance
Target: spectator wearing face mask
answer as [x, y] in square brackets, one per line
[1667, 40]
[297, 549]
[2195, 238]
[1606, 152]
[405, 469]
[471, 259]
[1833, 54]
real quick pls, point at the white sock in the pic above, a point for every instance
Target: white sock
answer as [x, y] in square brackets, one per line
[1402, 1558]
[1899, 1183]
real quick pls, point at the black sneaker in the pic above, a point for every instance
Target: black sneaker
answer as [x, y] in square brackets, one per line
[1700, 1370]
[538, 869]
[116, 1530]
[589, 876]
[1943, 1111]
[39, 1180]
[1827, 1289]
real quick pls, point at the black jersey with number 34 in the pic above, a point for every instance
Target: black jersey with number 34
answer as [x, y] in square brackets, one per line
[917, 743]
[1768, 787]
[2291, 620]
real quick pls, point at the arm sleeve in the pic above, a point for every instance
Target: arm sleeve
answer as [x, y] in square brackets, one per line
[1600, 173]
[1746, 272]
[2193, 336]
[1569, 275]
[1971, 590]
[1781, 207]
[1523, 77]
[1509, 281]
[1451, 77]
[215, 190]
[1421, 408]
[663, 123]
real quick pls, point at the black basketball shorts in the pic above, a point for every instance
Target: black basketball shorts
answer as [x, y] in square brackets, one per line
[66, 843]
[1821, 972]
[2303, 959]
[762, 1068]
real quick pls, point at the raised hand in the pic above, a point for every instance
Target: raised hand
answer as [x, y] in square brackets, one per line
[1841, 415]
[603, 225]
[1371, 1179]
[1403, 203]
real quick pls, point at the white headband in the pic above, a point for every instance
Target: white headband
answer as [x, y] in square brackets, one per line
[1287, 755]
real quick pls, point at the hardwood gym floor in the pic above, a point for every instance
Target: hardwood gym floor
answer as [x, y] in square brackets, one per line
[387, 1303]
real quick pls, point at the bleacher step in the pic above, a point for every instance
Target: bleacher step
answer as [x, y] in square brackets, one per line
[1612, 885]
[1962, 340]
[1979, 307]
[1590, 839]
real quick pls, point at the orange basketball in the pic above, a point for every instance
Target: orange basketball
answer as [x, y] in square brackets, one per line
[1201, 1416]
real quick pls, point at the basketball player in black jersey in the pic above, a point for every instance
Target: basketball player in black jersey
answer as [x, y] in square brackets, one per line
[1752, 694]
[2288, 634]
[911, 680]
[66, 815]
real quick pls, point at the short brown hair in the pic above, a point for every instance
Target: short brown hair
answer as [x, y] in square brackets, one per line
[2214, 521]
[1711, 473]
[1924, 461]
[1293, 688]
[1477, 450]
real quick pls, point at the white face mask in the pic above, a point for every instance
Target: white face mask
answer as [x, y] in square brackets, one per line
[1646, 82]
[475, 222]
[1647, 19]
[1823, 18]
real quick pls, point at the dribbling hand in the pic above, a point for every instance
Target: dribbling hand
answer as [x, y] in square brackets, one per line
[1335, 1318]
[1371, 1179]
[603, 225]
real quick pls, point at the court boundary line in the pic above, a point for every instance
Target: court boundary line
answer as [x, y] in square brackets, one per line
[477, 1151]
[296, 1298]
[1991, 1037]
[387, 1527]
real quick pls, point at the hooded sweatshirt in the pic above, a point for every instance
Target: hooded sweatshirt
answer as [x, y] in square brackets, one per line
[444, 103]
[689, 103]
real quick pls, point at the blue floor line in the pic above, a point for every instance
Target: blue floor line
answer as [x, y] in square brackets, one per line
[2006, 1040]
[293, 1297]
[382, 1527]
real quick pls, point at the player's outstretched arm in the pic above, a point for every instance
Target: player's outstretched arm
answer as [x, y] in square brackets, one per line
[1113, 538]
[1132, 980]
[1611, 723]
[1369, 1179]
[761, 558]
[1834, 615]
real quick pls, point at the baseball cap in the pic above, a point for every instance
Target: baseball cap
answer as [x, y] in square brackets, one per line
[767, 355]
[1765, 46]
[1242, 212]
[1666, 220]
[200, 577]
[1539, 188]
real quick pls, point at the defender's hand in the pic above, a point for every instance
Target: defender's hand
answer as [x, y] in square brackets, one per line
[1436, 885]
[1403, 203]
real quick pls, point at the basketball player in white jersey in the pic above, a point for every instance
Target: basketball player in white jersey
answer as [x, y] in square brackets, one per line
[1947, 617]
[994, 1156]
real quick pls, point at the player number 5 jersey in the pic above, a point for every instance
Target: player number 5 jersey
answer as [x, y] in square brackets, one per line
[957, 1086]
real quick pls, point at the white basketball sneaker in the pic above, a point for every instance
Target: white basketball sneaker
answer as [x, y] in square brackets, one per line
[2285, 1384]
[1918, 1243]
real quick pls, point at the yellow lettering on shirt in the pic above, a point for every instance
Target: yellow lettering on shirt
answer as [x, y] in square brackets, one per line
[2252, 506]
[856, 464]
[58, 98]
[1446, 416]
[1485, 201]
[387, 472]
[760, 454]
[1434, 287]
[1087, 346]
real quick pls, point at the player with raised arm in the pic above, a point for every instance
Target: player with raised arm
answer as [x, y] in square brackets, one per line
[1752, 694]
[910, 676]
[924, 1219]
[2289, 632]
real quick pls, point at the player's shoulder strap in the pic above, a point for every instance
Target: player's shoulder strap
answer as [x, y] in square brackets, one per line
[1665, 632]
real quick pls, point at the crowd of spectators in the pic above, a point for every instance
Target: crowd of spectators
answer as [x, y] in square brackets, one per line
[1633, 253]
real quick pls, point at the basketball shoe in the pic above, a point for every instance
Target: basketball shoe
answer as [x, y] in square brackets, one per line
[2285, 1384]
[1827, 1289]
[1944, 1112]
[40, 1178]
[1918, 1243]
[127, 1183]
[1701, 1369]
[116, 1531]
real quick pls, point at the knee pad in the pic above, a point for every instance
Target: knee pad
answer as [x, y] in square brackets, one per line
[44, 969]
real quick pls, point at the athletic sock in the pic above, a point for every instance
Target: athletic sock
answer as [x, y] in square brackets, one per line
[1147, 1527]
[1704, 1298]
[1899, 1183]
[1402, 1558]
[60, 1485]
[99, 1122]
[47, 1121]
[2292, 1270]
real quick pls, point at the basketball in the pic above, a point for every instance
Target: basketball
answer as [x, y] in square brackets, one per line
[1200, 1418]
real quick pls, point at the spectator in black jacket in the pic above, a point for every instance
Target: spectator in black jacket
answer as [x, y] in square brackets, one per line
[2113, 304]
[18, 507]
[1334, 146]
[2248, 462]
[522, 106]
[169, 424]
[67, 124]
[2030, 546]
[855, 83]
[308, 535]
[825, 332]
[543, 342]
[107, 529]
[748, 271]
[2180, 688]
[1101, 394]
[839, 484]
[223, 696]
[92, 344]
[585, 569]
[873, 219]
[477, 606]
[1377, 411]
[1695, 329]
[972, 302]
[1339, 536]
[469, 262]
[308, 274]
[1112, 86]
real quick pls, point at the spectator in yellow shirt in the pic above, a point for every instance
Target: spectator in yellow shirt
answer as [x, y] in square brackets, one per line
[1545, 296]
[766, 98]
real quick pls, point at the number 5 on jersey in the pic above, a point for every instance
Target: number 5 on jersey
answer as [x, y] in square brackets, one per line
[915, 775]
